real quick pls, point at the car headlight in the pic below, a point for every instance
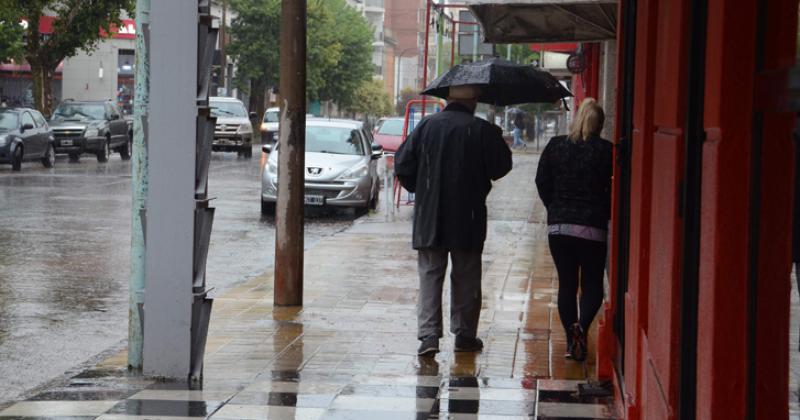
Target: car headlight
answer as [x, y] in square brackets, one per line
[358, 171]
[264, 127]
[91, 132]
[245, 129]
[272, 170]
[3, 140]
[276, 136]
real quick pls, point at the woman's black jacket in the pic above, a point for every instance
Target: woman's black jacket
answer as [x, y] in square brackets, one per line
[574, 181]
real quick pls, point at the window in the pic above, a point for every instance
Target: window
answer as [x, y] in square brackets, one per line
[392, 127]
[39, 119]
[336, 140]
[228, 109]
[8, 121]
[27, 119]
[79, 112]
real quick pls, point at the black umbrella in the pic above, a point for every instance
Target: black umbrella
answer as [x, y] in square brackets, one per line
[502, 82]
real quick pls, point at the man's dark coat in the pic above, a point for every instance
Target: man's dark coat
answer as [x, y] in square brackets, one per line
[449, 161]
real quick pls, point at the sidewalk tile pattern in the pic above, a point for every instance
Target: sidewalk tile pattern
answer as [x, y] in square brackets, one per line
[349, 352]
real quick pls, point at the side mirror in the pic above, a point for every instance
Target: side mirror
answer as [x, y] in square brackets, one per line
[114, 117]
[377, 151]
[253, 115]
[27, 126]
[267, 148]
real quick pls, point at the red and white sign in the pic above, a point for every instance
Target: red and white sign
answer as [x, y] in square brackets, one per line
[125, 31]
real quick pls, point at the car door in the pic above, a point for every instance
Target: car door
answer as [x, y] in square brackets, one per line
[44, 135]
[117, 126]
[30, 136]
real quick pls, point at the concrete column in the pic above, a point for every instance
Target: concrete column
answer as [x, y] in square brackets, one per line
[170, 197]
[608, 86]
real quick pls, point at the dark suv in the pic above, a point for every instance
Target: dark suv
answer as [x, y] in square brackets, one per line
[95, 127]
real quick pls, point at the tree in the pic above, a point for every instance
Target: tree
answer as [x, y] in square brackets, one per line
[371, 98]
[78, 26]
[255, 34]
[339, 47]
[11, 31]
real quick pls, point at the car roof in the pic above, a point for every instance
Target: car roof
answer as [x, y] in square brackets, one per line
[333, 122]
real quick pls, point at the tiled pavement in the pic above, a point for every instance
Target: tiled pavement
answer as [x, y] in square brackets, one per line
[349, 352]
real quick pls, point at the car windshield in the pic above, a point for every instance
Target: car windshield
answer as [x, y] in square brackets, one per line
[228, 109]
[392, 128]
[271, 116]
[79, 112]
[8, 120]
[336, 140]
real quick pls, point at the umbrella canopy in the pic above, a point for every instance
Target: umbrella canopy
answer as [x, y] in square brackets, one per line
[502, 83]
[546, 20]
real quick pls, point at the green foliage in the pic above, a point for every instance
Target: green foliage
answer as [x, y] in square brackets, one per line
[11, 44]
[371, 98]
[77, 27]
[255, 34]
[339, 47]
[520, 53]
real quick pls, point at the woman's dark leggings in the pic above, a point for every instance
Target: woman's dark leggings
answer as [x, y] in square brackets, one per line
[579, 262]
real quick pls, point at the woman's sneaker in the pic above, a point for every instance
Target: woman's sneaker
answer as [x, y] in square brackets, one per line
[578, 343]
[568, 354]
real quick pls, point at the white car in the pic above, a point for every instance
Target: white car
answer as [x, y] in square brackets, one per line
[340, 170]
[269, 126]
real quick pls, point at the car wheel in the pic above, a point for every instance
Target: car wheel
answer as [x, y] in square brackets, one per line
[102, 155]
[267, 207]
[16, 158]
[74, 157]
[125, 151]
[49, 158]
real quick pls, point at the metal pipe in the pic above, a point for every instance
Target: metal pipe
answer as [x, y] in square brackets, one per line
[425, 61]
[139, 184]
[291, 160]
[453, 44]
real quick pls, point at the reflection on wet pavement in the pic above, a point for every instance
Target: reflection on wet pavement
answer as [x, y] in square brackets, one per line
[350, 351]
[65, 257]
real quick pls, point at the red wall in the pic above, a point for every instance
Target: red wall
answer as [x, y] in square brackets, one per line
[736, 93]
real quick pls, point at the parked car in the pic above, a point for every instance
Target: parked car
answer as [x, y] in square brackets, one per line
[234, 131]
[389, 134]
[95, 127]
[340, 170]
[25, 135]
[269, 126]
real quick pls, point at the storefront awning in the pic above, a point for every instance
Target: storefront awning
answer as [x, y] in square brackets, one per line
[510, 21]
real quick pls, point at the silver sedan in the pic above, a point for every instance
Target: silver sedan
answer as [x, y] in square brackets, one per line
[340, 167]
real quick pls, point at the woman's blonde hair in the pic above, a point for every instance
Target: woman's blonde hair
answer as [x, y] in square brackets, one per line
[588, 120]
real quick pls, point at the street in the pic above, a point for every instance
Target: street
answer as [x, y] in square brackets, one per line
[65, 256]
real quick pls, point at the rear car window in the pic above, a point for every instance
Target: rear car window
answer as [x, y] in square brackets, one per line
[8, 120]
[391, 128]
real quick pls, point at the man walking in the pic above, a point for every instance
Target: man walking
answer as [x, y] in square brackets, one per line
[449, 161]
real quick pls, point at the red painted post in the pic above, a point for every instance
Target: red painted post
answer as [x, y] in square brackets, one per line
[425, 60]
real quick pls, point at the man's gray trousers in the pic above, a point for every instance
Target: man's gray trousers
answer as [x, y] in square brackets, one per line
[465, 292]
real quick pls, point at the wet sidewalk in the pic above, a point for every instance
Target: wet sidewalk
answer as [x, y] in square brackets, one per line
[349, 352]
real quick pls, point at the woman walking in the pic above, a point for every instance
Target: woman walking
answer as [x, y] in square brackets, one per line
[574, 182]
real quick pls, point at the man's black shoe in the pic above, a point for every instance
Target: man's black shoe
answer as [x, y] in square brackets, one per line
[429, 346]
[468, 344]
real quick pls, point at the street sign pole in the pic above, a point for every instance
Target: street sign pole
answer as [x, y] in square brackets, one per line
[288, 289]
[139, 185]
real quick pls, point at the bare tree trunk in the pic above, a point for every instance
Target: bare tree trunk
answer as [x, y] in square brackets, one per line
[258, 90]
[43, 86]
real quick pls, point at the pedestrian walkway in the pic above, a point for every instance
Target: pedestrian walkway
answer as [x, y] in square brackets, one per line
[349, 352]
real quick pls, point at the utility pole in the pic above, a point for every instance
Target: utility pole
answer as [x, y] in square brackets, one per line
[291, 158]
[223, 58]
[139, 185]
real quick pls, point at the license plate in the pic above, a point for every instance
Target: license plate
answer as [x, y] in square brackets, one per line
[66, 142]
[315, 200]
